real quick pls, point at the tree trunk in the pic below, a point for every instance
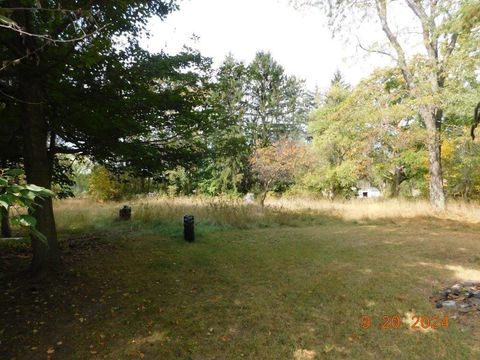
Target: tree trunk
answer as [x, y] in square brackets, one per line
[432, 118]
[6, 230]
[38, 169]
[398, 178]
[395, 189]
[263, 196]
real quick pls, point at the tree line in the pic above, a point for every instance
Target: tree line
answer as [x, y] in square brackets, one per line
[76, 87]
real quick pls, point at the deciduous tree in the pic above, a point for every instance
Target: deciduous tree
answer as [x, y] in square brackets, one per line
[277, 164]
[441, 27]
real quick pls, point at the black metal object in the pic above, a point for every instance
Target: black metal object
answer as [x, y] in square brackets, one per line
[189, 228]
[125, 213]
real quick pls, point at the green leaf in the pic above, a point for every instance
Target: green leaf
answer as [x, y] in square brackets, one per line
[34, 187]
[14, 188]
[4, 204]
[46, 193]
[3, 182]
[14, 172]
[39, 191]
[28, 194]
[24, 202]
[26, 220]
[8, 198]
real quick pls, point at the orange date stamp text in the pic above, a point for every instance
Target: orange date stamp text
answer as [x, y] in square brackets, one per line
[416, 322]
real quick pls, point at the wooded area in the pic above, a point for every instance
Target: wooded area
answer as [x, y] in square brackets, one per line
[86, 112]
[71, 93]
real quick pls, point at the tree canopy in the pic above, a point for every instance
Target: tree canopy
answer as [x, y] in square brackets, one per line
[75, 81]
[77, 87]
[441, 26]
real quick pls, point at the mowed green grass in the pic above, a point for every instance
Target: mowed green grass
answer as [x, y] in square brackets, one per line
[252, 294]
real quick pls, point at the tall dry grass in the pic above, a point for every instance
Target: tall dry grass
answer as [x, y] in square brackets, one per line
[373, 209]
[85, 214]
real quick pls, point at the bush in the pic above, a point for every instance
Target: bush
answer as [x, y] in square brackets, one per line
[103, 186]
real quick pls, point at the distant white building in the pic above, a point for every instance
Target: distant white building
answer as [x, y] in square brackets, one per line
[366, 190]
[370, 192]
[249, 198]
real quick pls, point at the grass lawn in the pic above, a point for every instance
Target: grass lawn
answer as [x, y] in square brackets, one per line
[292, 291]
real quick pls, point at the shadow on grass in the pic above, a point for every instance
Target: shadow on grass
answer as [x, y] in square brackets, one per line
[269, 286]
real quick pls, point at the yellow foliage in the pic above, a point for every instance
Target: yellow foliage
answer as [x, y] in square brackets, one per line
[448, 149]
[102, 185]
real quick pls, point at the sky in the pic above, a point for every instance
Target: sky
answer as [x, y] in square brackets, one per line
[299, 40]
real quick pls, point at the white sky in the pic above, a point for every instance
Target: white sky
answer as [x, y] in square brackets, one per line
[300, 41]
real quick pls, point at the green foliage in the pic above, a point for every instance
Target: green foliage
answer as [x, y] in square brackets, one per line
[278, 105]
[375, 127]
[81, 170]
[134, 103]
[16, 195]
[223, 177]
[332, 181]
[366, 133]
[179, 182]
[63, 179]
[162, 99]
[223, 171]
[253, 106]
[338, 132]
[450, 36]
[277, 165]
[461, 159]
[103, 186]
[170, 121]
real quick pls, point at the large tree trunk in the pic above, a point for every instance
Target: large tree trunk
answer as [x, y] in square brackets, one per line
[431, 116]
[38, 169]
[6, 230]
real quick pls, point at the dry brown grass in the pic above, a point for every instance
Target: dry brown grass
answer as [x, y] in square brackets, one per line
[86, 214]
[253, 293]
[366, 209]
[276, 293]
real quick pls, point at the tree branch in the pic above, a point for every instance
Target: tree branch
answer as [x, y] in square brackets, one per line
[381, 52]
[50, 39]
[19, 100]
[450, 47]
[429, 39]
[381, 7]
[29, 53]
